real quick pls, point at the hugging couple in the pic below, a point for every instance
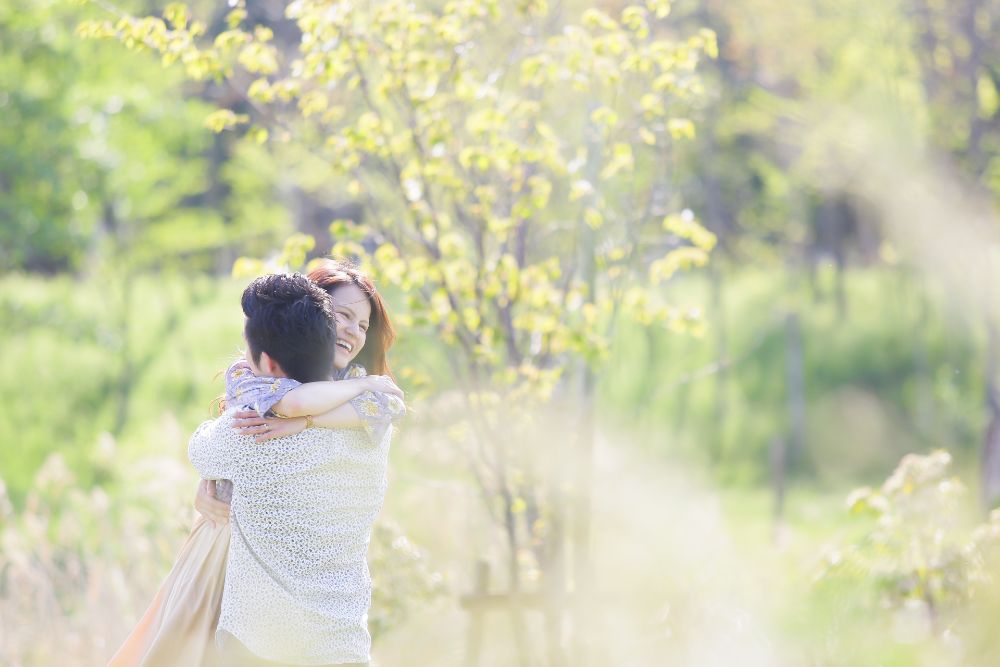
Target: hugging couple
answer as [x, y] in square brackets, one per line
[299, 454]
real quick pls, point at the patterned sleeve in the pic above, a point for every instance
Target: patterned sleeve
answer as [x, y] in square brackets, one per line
[378, 411]
[245, 389]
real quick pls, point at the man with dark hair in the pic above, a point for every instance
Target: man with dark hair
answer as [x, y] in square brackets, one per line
[297, 587]
[289, 583]
[290, 322]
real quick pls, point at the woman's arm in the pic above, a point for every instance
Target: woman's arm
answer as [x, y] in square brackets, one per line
[375, 408]
[208, 504]
[314, 398]
[266, 428]
[342, 416]
[290, 398]
[374, 412]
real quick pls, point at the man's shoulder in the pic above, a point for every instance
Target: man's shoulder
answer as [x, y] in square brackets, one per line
[218, 428]
[224, 419]
[325, 439]
[325, 435]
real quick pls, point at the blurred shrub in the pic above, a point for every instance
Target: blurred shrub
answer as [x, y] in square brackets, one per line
[909, 366]
[402, 579]
[82, 563]
[916, 554]
[79, 361]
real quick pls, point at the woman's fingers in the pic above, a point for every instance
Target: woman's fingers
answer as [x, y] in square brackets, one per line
[393, 388]
[266, 429]
[215, 511]
[250, 423]
[247, 419]
[386, 385]
[270, 433]
[240, 427]
[204, 491]
[254, 425]
[278, 428]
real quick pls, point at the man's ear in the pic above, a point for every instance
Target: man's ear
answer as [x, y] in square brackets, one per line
[269, 367]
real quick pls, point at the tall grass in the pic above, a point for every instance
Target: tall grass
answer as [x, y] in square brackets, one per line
[690, 567]
[898, 372]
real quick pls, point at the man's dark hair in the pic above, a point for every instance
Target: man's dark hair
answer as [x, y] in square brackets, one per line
[291, 319]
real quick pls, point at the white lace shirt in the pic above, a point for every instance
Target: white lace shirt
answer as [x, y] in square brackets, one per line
[297, 586]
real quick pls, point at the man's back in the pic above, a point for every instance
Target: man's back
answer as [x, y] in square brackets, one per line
[297, 585]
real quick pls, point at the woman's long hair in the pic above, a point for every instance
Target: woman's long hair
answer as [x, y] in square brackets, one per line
[332, 274]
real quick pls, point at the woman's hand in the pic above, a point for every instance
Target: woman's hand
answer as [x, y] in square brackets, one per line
[384, 384]
[248, 422]
[215, 511]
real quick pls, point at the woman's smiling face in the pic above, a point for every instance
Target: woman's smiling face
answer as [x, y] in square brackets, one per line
[353, 310]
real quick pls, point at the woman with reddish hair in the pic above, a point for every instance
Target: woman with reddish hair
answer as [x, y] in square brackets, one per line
[337, 278]
[180, 625]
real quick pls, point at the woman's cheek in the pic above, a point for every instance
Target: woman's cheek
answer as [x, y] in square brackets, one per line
[360, 346]
[339, 361]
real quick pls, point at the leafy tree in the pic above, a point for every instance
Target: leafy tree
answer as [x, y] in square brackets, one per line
[41, 175]
[107, 170]
[960, 76]
[513, 164]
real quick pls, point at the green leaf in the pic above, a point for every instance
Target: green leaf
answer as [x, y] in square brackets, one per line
[225, 119]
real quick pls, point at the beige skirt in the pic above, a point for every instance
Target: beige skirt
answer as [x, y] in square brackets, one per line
[179, 626]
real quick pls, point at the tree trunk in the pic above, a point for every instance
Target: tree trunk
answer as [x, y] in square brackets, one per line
[795, 378]
[583, 644]
[991, 447]
[721, 356]
[925, 418]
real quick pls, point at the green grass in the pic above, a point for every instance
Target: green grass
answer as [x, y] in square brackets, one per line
[882, 381]
[879, 382]
[64, 350]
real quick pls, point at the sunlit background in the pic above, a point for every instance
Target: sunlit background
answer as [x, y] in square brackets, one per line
[695, 305]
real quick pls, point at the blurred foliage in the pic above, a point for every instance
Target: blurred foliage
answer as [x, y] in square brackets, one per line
[459, 128]
[517, 176]
[84, 564]
[403, 582]
[902, 376]
[905, 584]
[82, 561]
[104, 159]
[868, 401]
[917, 553]
[479, 201]
[88, 376]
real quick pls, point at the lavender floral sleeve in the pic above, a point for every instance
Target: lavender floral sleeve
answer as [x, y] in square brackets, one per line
[245, 389]
[378, 411]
